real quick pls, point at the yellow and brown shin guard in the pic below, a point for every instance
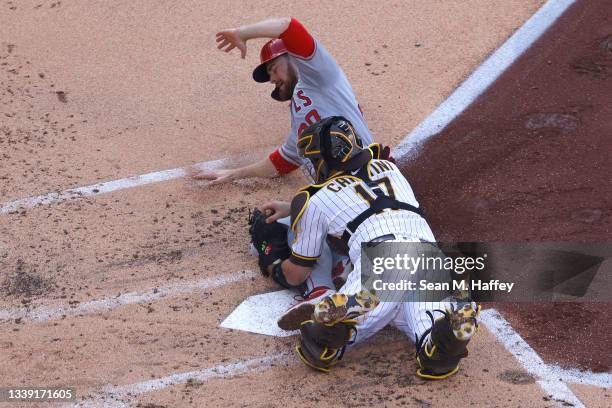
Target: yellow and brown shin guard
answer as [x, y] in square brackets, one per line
[442, 347]
[324, 338]
[321, 346]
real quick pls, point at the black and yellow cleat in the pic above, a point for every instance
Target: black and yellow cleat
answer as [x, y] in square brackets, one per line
[321, 346]
[442, 347]
[338, 307]
[464, 320]
[303, 310]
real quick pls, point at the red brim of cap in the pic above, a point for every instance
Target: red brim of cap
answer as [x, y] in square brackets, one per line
[260, 74]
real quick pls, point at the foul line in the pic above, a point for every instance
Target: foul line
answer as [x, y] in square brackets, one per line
[550, 378]
[482, 78]
[45, 312]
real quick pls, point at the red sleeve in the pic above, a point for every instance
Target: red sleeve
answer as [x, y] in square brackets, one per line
[298, 40]
[282, 166]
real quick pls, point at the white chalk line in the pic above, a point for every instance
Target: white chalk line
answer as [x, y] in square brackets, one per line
[102, 188]
[480, 80]
[119, 396]
[46, 312]
[551, 378]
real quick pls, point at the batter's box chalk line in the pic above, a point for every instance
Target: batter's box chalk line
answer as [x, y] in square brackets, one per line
[41, 312]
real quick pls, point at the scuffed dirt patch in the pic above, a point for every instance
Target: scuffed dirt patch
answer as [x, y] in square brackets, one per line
[516, 377]
[25, 282]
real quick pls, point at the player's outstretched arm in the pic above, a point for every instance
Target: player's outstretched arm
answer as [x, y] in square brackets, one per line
[263, 168]
[231, 38]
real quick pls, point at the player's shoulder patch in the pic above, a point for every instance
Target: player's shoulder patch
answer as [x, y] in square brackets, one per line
[300, 201]
[298, 206]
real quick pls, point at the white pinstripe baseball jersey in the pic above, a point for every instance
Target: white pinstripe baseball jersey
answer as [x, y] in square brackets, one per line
[336, 203]
[341, 199]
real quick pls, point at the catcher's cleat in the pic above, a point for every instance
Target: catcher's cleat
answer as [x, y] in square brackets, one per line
[442, 347]
[321, 346]
[302, 311]
[463, 320]
[339, 307]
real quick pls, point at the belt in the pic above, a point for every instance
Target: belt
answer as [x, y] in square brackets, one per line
[383, 238]
[378, 240]
[394, 237]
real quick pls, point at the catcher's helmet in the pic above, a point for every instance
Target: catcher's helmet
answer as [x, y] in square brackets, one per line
[270, 50]
[328, 145]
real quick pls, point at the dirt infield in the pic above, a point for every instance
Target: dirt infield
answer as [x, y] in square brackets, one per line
[121, 294]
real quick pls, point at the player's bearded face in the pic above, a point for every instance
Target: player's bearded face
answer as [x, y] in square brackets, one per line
[284, 77]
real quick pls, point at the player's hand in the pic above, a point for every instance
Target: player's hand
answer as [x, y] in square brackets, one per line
[231, 38]
[276, 210]
[219, 176]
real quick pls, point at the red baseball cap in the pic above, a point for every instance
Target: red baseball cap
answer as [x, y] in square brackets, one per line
[270, 50]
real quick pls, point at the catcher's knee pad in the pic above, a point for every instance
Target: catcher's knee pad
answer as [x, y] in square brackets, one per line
[321, 346]
[279, 277]
[442, 347]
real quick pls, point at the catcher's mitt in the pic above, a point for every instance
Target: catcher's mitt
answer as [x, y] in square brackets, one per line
[270, 240]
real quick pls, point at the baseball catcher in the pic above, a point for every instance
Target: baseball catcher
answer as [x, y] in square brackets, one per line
[358, 198]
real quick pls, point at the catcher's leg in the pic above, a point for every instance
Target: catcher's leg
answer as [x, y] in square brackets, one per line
[377, 317]
[325, 337]
[440, 343]
[321, 346]
[318, 285]
[440, 348]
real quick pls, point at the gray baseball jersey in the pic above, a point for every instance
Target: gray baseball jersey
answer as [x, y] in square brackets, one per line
[322, 90]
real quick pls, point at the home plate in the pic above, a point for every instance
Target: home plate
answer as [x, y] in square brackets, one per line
[259, 313]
